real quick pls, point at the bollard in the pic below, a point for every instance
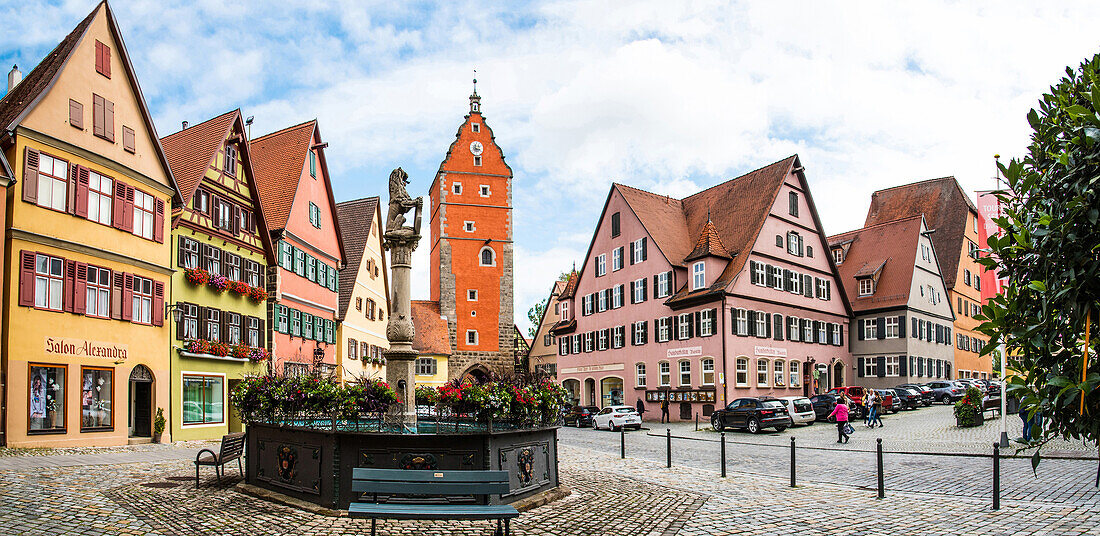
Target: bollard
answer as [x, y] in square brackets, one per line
[668, 447]
[996, 477]
[622, 442]
[696, 422]
[881, 483]
[792, 462]
[723, 455]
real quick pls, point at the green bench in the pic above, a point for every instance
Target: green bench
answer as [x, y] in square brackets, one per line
[417, 494]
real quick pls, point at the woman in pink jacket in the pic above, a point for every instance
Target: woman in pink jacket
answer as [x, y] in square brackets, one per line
[841, 414]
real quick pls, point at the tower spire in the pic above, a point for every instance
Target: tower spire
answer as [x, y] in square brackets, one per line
[475, 100]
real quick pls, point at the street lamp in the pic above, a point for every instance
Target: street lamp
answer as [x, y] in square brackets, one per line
[175, 309]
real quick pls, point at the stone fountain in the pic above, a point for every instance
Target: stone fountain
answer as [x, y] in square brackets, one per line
[401, 240]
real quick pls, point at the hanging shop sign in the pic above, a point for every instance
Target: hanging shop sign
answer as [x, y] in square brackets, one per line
[63, 346]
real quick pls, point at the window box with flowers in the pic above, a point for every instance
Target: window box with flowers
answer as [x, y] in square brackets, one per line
[219, 282]
[224, 351]
[257, 294]
[196, 276]
[240, 287]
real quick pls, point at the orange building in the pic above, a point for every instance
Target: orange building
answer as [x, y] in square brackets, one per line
[471, 249]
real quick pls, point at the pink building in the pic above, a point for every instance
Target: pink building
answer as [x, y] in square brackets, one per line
[727, 293]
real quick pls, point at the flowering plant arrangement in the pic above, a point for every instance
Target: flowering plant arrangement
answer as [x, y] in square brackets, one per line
[426, 395]
[218, 282]
[968, 411]
[257, 294]
[196, 276]
[202, 346]
[257, 355]
[240, 351]
[262, 397]
[240, 287]
[517, 399]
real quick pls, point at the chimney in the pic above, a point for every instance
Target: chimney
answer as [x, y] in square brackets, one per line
[14, 77]
[185, 125]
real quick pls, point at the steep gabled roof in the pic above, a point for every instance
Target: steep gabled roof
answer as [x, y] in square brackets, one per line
[570, 288]
[888, 249]
[356, 218]
[191, 151]
[5, 169]
[18, 103]
[431, 329]
[708, 244]
[945, 206]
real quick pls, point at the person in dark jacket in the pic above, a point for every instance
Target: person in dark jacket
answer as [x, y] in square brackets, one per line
[664, 411]
[641, 407]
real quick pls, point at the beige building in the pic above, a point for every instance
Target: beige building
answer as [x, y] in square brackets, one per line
[364, 291]
[543, 356]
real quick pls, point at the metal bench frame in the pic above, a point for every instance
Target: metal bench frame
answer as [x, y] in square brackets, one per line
[417, 486]
[232, 448]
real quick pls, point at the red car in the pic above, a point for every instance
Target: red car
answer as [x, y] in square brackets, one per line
[854, 393]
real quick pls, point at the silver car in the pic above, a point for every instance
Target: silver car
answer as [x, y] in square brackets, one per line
[800, 409]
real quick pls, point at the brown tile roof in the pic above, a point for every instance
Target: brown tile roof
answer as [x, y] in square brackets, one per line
[890, 247]
[431, 329]
[190, 151]
[5, 169]
[708, 244]
[736, 208]
[944, 204]
[356, 218]
[570, 289]
[279, 159]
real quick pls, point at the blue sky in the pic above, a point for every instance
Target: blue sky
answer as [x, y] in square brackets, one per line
[668, 96]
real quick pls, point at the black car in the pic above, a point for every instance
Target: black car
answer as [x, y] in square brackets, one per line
[910, 398]
[823, 405]
[752, 414]
[927, 397]
[581, 416]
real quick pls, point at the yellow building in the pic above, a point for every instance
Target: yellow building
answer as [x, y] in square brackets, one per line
[432, 342]
[222, 249]
[364, 291]
[87, 257]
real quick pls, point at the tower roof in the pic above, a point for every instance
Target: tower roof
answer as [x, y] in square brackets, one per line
[709, 244]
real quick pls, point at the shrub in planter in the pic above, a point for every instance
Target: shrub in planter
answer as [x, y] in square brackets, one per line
[968, 411]
[426, 395]
[158, 425]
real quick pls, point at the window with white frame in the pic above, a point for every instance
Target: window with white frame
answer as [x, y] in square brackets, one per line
[563, 346]
[601, 301]
[601, 264]
[617, 259]
[796, 378]
[836, 334]
[870, 328]
[52, 182]
[471, 336]
[698, 275]
[488, 256]
[457, 188]
[639, 332]
[706, 322]
[779, 371]
[48, 282]
[663, 285]
[761, 324]
[143, 214]
[742, 376]
[685, 373]
[617, 335]
[639, 250]
[892, 327]
[484, 190]
[100, 190]
[795, 282]
[893, 367]
[794, 328]
[142, 311]
[639, 374]
[616, 296]
[601, 339]
[471, 294]
[639, 290]
[706, 369]
[666, 373]
[97, 297]
[777, 278]
[683, 326]
[822, 288]
[468, 226]
[869, 366]
[807, 330]
[794, 243]
[565, 310]
[761, 274]
[822, 334]
[742, 322]
[762, 372]
[475, 127]
[866, 286]
[663, 329]
[576, 344]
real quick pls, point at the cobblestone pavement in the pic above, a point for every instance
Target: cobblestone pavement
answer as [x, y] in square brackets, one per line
[633, 497]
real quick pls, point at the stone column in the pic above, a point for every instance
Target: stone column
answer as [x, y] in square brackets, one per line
[401, 357]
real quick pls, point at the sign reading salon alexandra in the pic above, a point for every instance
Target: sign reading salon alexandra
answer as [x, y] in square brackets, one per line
[82, 348]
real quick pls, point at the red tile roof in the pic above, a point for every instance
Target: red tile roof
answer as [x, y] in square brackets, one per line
[431, 329]
[279, 159]
[356, 218]
[570, 288]
[889, 249]
[945, 206]
[190, 151]
[708, 244]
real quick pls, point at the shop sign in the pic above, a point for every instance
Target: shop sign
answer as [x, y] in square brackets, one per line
[82, 348]
[768, 351]
[690, 351]
[593, 368]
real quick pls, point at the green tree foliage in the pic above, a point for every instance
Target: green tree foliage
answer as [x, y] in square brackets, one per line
[1049, 249]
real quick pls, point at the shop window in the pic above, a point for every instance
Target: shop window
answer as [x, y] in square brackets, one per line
[742, 372]
[47, 398]
[762, 372]
[707, 367]
[796, 378]
[778, 371]
[639, 374]
[203, 399]
[666, 373]
[96, 390]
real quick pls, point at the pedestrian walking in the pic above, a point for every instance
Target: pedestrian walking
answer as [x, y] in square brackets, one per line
[869, 409]
[840, 411]
[641, 407]
[664, 410]
[877, 408]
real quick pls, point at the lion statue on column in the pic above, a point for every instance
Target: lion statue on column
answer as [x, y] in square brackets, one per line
[400, 201]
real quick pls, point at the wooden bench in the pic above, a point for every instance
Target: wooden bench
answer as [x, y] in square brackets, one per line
[231, 449]
[991, 404]
[416, 494]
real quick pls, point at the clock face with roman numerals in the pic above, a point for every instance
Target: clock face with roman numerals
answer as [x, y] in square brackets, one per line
[476, 148]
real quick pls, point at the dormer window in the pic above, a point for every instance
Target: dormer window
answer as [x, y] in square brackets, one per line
[565, 310]
[866, 286]
[698, 275]
[838, 256]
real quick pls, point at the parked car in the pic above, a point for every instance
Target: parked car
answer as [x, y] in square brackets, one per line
[615, 417]
[994, 388]
[855, 398]
[889, 403]
[752, 414]
[946, 392]
[823, 405]
[799, 408]
[580, 416]
[910, 398]
[926, 394]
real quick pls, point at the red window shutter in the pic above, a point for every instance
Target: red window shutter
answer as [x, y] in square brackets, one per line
[26, 278]
[109, 120]
[30, 175]
[158, 304]
[118, 220]
[128, 140]
[128, 210]
[128, 297]
[97, 116]
[81, 189]
[76, 114]
[103, 59]
[70, 189]
[80, 289]
[158, 221]
[116, 296]
[67, 289]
